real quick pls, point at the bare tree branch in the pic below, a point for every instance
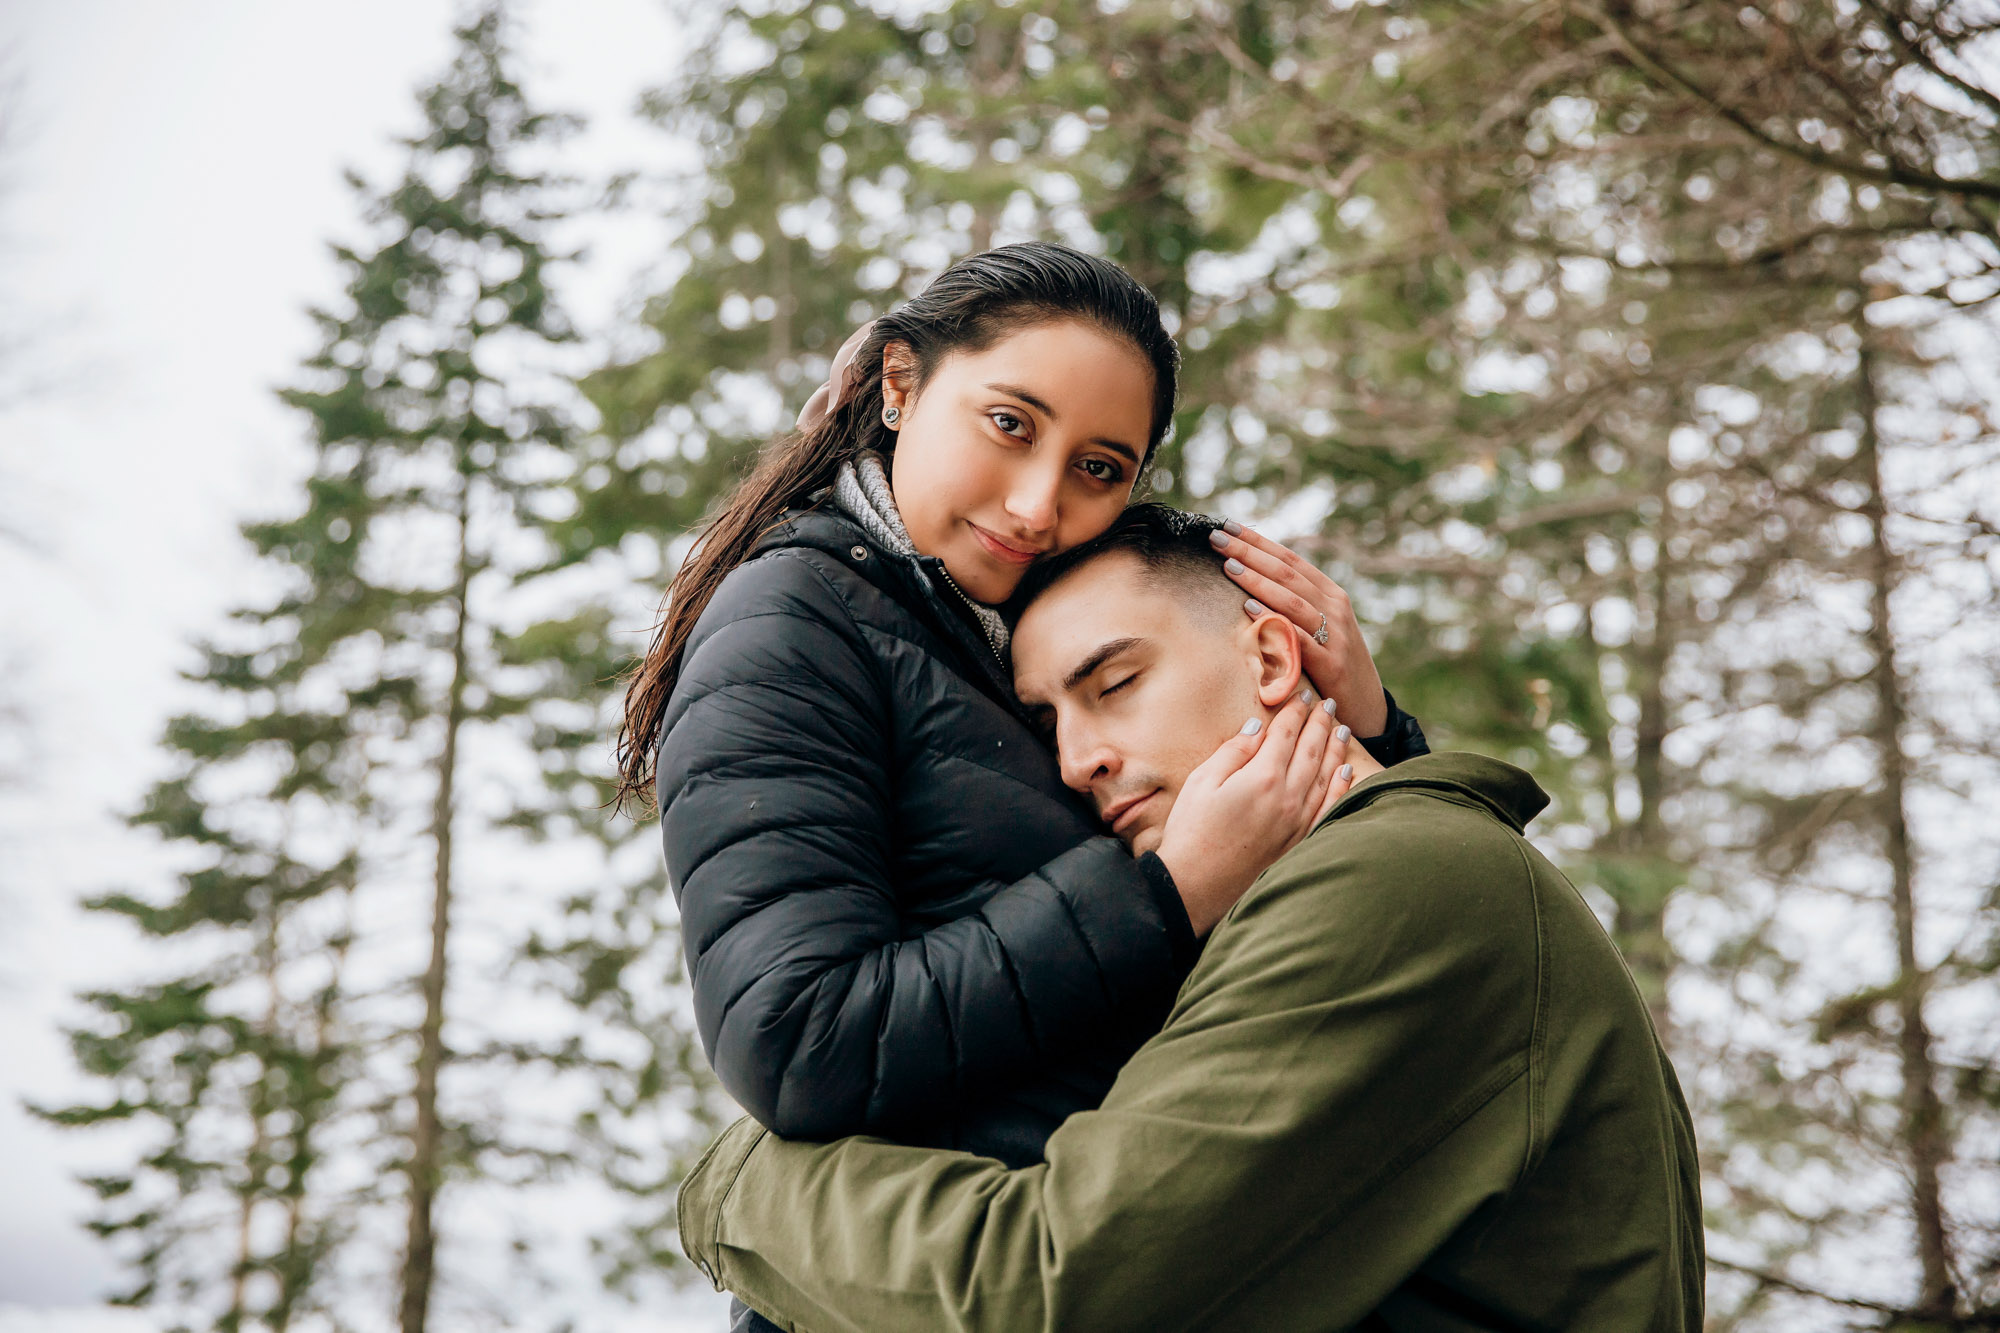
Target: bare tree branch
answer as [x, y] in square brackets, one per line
[1890, 174]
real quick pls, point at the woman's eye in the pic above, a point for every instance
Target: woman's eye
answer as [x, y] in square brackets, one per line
[1010, 424]
[1100, 470]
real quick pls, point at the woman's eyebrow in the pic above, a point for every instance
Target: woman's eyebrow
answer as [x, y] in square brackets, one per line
[1016, 391]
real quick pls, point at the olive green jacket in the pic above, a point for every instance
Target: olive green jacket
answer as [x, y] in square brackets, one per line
[1409, 1086]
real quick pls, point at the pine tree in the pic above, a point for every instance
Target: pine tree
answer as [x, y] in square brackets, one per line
[307, 1086]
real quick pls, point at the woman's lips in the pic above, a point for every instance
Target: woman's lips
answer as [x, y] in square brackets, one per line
[999, 550]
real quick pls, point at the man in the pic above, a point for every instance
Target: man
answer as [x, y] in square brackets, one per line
[1408, 1086]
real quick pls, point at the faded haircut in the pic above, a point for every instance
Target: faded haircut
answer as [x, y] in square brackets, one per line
[1174, 549]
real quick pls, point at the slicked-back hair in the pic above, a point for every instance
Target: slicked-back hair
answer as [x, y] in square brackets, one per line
[1171, 545]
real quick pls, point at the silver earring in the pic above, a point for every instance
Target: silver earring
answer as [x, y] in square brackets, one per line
[890, 416]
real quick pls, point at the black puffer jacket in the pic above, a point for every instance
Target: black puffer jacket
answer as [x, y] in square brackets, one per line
[898, 919]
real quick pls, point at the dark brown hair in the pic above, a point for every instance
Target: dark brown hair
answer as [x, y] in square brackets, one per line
[970, 307]
[1172, 545]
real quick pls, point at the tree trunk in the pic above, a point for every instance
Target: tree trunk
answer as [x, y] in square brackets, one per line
[1923, 1120]
[267, 959]
[426, 1134]
[1645, 934]
[988, 85]
[784, 293]
[295, 1276]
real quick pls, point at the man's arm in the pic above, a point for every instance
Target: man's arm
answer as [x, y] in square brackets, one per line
[1346, 1066]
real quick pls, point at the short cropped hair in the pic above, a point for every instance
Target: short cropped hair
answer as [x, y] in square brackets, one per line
[1171, 544]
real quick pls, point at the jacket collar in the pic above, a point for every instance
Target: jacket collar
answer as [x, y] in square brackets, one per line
[910, 578]
[1502, 788]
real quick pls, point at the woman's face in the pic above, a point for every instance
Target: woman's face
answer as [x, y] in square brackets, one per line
[1020, 450]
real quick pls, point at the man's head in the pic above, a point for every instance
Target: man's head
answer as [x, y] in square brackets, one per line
[1136, 650]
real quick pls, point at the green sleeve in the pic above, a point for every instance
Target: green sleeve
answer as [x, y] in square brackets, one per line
[1340, 1087]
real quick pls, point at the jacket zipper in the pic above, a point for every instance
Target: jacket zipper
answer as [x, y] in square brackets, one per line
[985, 632]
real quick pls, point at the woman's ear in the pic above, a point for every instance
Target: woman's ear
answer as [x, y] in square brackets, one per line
[898, 363]
[1280, 660]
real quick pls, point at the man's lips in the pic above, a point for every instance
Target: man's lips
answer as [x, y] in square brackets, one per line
[999, 550]
[1123, 811]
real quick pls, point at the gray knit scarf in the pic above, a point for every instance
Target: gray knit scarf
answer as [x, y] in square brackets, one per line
[862, 489]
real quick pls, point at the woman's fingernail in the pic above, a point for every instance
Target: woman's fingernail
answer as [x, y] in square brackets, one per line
[1253, 726]
[1255, 607]
[1341, 733]
[1233, 565]
[1328, 706]
[1232, 527]
[1218, 539]
[1346, 772]
[1305, 696]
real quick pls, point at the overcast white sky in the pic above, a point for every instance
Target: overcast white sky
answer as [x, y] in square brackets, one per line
[172, 180]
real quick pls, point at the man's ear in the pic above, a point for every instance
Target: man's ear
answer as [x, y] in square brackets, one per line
[898, 369]
[1280, 661]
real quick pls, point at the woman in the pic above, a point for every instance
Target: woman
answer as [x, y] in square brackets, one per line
[898, 920]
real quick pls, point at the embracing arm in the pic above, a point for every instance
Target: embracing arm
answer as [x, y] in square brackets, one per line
[1316, 1118]
[823, 1008]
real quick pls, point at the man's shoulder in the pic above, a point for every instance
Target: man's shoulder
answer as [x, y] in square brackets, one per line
[1425, 871]
[1414, 907]
[1498, 790]
[1421, 872]
[1446, 824]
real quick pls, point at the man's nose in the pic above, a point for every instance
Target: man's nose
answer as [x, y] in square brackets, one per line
[1034, 500]
[1083, 758]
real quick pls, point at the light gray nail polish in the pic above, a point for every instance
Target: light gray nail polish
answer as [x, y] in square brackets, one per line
[1233, 565]
[1328, 706]
[1253, 726]
[1219, 540]
[1341, 733]
[1346, 772]
[1255, 607]
[1232, 527]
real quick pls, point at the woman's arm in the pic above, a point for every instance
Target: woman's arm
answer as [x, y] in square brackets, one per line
[824, 1010]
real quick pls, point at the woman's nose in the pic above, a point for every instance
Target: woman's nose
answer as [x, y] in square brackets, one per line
[1034, 500]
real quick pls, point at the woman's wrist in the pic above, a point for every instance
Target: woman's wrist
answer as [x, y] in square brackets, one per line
[1363, 705]
[1204, 901]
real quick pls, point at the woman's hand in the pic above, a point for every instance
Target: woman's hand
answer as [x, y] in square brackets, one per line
[1252, 801]
[1282, 581]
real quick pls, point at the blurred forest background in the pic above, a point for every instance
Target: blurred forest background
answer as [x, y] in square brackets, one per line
[1633, 363]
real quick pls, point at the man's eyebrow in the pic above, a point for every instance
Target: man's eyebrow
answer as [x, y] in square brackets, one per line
[1040, 405]
[1103, 653]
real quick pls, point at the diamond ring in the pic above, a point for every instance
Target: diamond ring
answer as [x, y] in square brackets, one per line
[1319, 635]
